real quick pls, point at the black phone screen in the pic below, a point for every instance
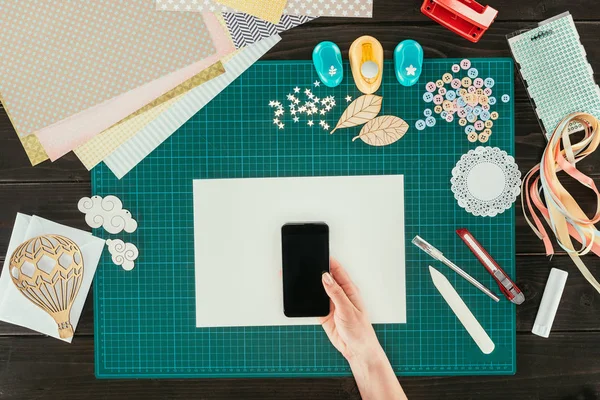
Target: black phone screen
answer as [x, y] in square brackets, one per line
[305, 250]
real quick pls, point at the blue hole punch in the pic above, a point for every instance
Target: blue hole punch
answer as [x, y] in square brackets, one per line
[408, 59]
[327, 59]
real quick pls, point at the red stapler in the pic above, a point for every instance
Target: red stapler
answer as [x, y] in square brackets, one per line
[467, 18]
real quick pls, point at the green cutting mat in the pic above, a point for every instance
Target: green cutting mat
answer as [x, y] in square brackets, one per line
[145, 319]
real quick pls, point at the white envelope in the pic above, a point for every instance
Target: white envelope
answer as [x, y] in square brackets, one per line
[15, 308]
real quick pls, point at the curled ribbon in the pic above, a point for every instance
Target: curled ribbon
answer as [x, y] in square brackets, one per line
[560, 211]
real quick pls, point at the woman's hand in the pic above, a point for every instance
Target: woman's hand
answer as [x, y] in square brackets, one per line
[349, 329]
[347, 325]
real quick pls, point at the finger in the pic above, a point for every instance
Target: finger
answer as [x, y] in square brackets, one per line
[343, 279]
[342, 303]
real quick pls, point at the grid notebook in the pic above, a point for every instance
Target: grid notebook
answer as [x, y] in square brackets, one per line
[556, 72]
[145, 319]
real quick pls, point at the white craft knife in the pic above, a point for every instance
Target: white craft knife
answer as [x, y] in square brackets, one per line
[465, 316]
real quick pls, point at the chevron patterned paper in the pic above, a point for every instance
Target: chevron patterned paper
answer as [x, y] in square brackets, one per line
[246, 29]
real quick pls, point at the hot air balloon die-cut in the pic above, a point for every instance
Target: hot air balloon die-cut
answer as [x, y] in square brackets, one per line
[48, 271]
[15, 307]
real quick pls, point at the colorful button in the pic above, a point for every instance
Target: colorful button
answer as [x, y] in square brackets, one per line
[430, 121]
[443, 114]
[469, 129]
[485, 115]
[462, 122]
[483, 138]
[505, 98]
[427, 97]
[489, 82]
[489, 124]
[492, 100]
[494, 115]
[447, 77]
[471, 89]
[438, 99]
[455, 84]
[471, 118]
[442, 91]
[485, 106]
[447, 105]
[430, 87]
[465, 64]
[461, 112]
[487, 91]
[460, 102]
[478, 83]
[483, 100]
[420, 124]
[469, 109]
[472, 137]
[479, 92]
[463, 92]
[449, 118]
[477, 110]
[466, 82]
[472, 73]
[455, 68]
[450, 95]
[437, 109]
[478, 125]
[427, 112]
[439, 83]
[487, 132]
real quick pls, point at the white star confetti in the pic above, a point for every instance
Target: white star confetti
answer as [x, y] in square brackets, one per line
[296, 119]
[296, 101]
[322, 111]
[326, 127]
[279, 113]
[276, 121]
[348, 99]
[322, 123]
[272, 103]
[281, 125]
[316, 99]
[308, 92]
[317, 83]
[302, 109]
[291, 97]
[310, 123]
[296, 89]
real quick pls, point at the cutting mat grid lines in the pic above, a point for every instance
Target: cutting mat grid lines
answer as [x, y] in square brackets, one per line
[145, 319]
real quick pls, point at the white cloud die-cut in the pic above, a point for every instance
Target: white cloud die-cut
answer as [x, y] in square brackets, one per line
[123, 254]
[108, 213]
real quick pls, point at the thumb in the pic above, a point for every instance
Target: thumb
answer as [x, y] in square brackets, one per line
[336, 293]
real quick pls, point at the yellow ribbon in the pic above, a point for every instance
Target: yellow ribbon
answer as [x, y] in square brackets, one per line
[559, 209]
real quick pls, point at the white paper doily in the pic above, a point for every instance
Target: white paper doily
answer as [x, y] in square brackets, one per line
[486, 181]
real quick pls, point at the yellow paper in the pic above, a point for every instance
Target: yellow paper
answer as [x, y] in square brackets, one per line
[33, 148]
[100, 146]
[271, 10]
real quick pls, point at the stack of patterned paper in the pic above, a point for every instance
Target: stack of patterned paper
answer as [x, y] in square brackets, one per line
[112, 80]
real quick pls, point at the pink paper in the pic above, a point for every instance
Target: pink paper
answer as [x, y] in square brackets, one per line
[60, 138]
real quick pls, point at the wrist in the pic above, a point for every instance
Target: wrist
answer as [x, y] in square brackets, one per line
[373, 358]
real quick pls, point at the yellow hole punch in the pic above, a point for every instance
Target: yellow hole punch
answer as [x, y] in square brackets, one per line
[366, 62]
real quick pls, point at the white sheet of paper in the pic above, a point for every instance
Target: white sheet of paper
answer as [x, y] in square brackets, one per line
[237, 232]
[15, 308]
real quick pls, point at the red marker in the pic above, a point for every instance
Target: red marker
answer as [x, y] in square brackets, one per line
[507, 286]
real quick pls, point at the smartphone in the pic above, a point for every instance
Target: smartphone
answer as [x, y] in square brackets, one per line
[305, 248]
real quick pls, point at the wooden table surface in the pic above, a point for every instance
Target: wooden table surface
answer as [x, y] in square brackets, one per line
[566, 366]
